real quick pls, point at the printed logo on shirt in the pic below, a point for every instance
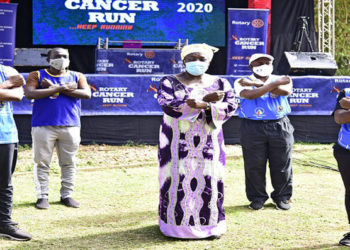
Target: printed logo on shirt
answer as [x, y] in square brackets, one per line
[259, 112]
[54, 96]
[279, 109]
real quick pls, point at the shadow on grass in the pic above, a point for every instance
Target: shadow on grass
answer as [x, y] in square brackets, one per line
[321, 246]
[32, 204]
[126, 231]
[24, 204]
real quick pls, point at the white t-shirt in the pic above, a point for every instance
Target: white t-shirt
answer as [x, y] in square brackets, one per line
[9, 71]
[272, 78]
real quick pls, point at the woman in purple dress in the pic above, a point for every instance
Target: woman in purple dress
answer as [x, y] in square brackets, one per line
[191, 148]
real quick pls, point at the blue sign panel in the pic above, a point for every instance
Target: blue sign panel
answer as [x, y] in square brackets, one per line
[136, 95]
[138, 61]
[81, 22]
[7, 33]
[247, 34]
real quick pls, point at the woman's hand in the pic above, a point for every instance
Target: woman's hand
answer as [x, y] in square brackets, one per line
[345, 103]
[214, 96]
[196, 104]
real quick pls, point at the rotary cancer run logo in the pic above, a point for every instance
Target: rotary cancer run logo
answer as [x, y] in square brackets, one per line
[259, 112]
[258, 23]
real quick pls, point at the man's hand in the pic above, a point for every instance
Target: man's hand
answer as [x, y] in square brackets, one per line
[46, 83]
[15, 81]
[214, 96]
[282, 81]
[345, 103]
[245, 83]
[196, 104]
[70, 86]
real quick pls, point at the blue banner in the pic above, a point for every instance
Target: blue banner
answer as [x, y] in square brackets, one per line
[81, 22]
[136, 95]
[247, 34]
[138, 61]
[7, 33]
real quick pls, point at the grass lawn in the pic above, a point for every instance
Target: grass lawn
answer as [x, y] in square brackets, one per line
[118, 191]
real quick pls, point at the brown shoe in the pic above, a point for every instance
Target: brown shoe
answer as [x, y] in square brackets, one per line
[70, 202]
[42, 203]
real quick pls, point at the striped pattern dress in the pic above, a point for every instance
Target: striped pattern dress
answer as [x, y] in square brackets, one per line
[191, 157]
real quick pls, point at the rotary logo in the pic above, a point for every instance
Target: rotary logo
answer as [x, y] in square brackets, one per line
[258, 23]
[259, 111]
[150, 54]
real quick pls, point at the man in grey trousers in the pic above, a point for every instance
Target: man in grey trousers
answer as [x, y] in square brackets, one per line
[56, 123]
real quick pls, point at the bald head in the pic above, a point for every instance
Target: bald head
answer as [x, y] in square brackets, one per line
[57, 53]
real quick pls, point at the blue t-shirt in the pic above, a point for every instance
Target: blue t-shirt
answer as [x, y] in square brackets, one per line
[58, 109]
[266, 107]
[8, 130]
[344, 133]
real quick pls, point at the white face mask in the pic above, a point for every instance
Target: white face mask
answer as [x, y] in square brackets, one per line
[59, 63]
[197, 68]
[263, 70]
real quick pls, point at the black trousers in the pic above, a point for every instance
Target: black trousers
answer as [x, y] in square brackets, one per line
[343, 158]
[8, 159]
[270, 141]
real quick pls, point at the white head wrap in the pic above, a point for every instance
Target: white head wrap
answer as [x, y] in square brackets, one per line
[203, 48]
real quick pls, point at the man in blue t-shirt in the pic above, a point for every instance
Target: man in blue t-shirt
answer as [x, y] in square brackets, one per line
[56, 123]
[10, 90]
[342, 150]
[266, 133]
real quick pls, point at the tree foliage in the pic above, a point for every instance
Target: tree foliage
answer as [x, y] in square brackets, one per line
[342, 36]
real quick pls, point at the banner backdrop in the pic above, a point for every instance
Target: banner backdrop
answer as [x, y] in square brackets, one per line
[7, 32]
[247, 34]
[81, 22]
[136, 95]
[138, 61]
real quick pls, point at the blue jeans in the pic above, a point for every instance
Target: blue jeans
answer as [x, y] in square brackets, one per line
[8, 160]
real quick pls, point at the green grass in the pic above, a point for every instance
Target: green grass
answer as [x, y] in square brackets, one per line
[119, 206]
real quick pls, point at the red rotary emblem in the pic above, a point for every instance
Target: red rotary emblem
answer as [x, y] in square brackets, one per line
[258, 23]
[149, 54]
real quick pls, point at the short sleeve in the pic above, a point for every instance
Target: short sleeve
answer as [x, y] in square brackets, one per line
[9, 71]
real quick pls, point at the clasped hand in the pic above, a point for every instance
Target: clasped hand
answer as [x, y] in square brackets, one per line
[211, 97]
[68, 86]
[214, 96]
[345, 102]
[15, 81]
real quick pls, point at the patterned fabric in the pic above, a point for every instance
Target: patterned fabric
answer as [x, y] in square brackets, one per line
[192, 160]
[8, 132]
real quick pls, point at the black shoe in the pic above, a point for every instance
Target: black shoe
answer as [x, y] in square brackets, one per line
[283, 205]
[14, 233]
[346, 240]
[70, 202]
[214, 237]
[257, 205]
[42, 203]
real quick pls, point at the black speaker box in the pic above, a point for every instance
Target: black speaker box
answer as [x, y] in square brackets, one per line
[310, 63]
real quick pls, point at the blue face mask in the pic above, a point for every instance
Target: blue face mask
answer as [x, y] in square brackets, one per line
[196, 68]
